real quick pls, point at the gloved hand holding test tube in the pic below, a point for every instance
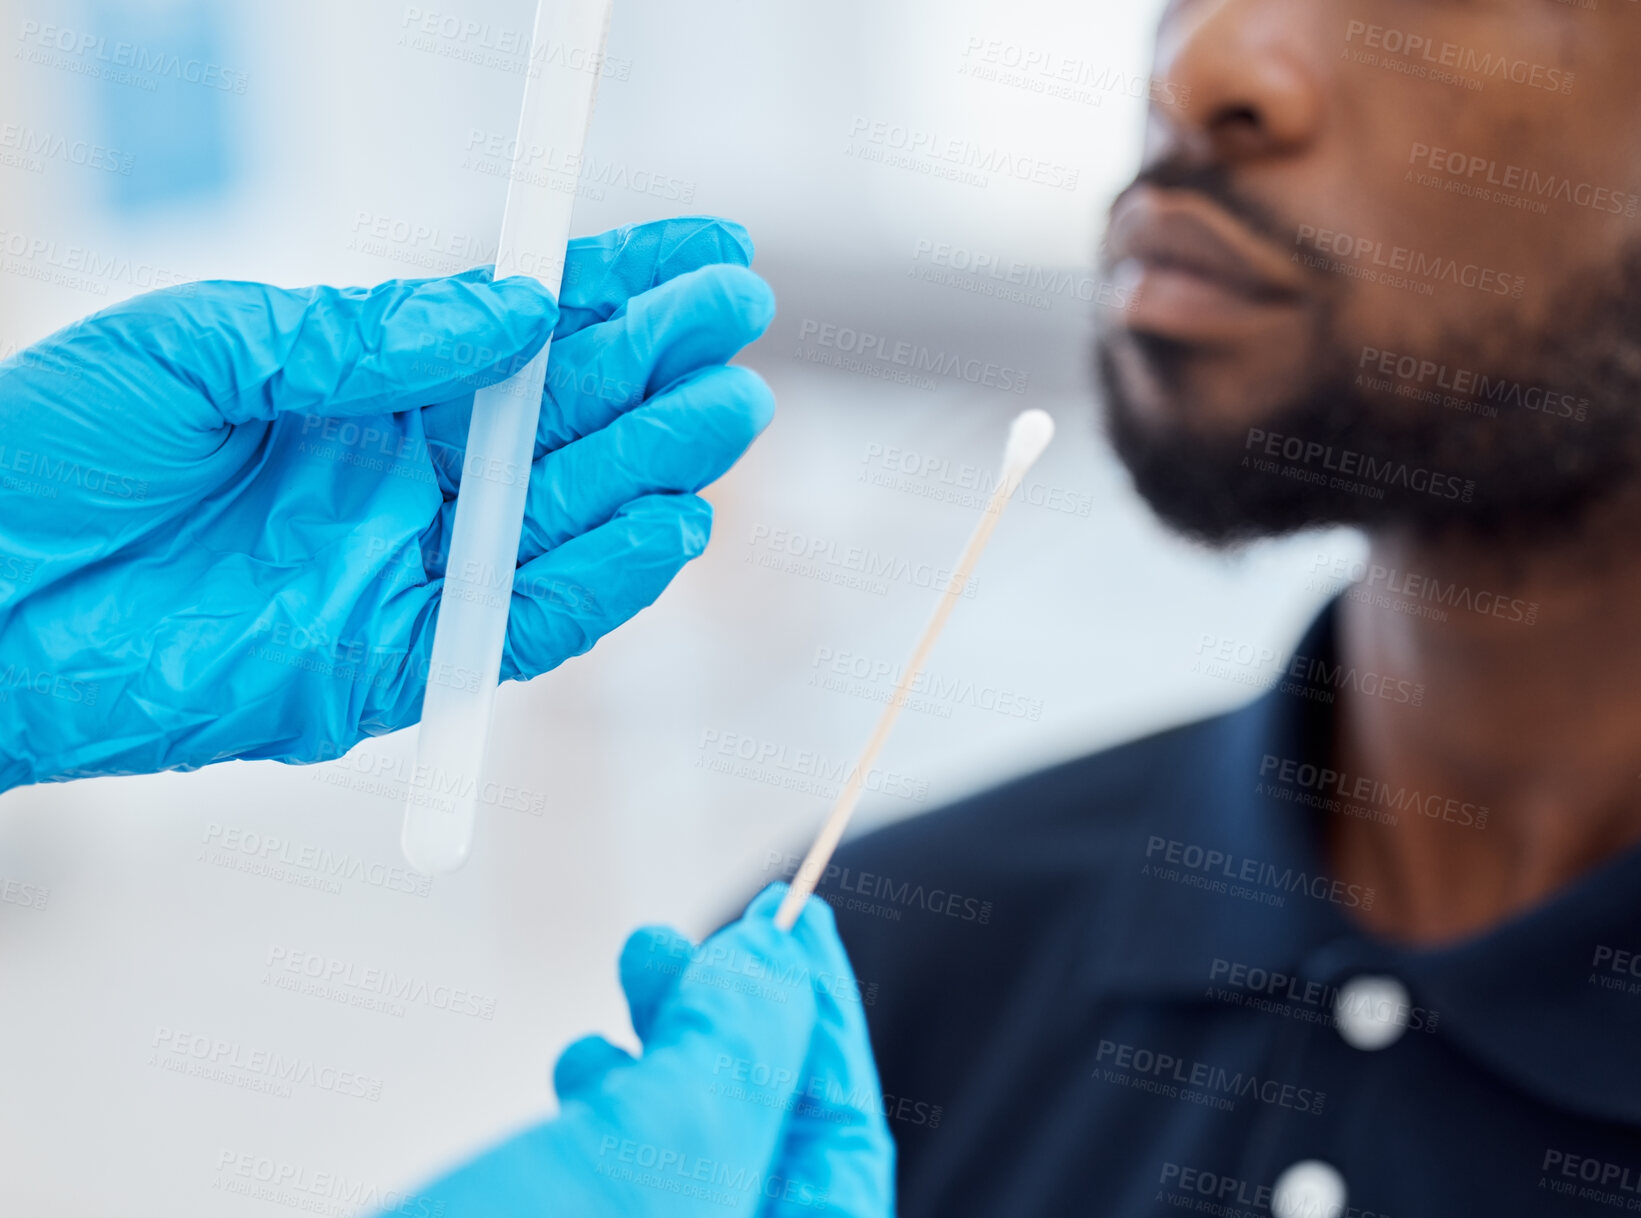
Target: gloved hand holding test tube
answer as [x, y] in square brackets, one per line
[473, 608]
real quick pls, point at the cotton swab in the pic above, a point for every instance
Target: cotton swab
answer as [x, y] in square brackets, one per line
[1028, 437]
[478, 585]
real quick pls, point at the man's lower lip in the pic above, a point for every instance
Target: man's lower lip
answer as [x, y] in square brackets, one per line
[1176, 303]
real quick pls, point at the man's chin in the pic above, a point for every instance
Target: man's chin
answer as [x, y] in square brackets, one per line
[1189, 462]
[1167, 392]
[1332, 455]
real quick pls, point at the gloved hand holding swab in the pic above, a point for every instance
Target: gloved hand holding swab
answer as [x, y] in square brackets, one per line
[1028, 437]
[477, 594]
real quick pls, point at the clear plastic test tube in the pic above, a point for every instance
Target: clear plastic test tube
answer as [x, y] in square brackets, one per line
[472, 624]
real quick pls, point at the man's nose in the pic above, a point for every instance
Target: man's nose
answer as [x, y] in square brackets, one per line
[1245, 76]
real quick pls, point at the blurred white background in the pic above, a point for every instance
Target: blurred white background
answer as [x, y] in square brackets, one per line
[348, 118]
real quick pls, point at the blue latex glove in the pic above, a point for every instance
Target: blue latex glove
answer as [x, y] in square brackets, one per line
[756, 1093]
[224, 508]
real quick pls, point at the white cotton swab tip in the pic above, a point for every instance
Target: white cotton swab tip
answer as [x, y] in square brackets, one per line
[1028, 437]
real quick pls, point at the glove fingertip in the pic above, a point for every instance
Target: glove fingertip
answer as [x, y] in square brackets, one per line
[658, 950]
[651, 965]
[529, 298]
[764, 297]
[583, 1065]
[728, 240]
[768, 901]
[738, 233]
[695, 526]
[687, 516]
[816, 927]
[572, 596]
[758, 396]
[817, 916]
[650, 939]
[750, 299]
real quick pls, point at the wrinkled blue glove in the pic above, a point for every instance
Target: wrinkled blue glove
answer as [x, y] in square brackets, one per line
[224, 508]
[756, 1093]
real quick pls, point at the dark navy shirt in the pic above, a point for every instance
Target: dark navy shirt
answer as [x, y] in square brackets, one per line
[1129, 985]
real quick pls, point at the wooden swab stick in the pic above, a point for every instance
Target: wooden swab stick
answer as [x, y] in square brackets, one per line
[1028, 437]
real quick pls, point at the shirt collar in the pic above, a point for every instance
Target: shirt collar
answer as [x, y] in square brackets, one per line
[1227, 867]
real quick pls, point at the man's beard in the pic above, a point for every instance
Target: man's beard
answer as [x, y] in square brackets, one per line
[1384, 461]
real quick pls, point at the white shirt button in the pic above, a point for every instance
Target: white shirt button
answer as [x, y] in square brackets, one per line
[1371, 1012]
[1309, 1189]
